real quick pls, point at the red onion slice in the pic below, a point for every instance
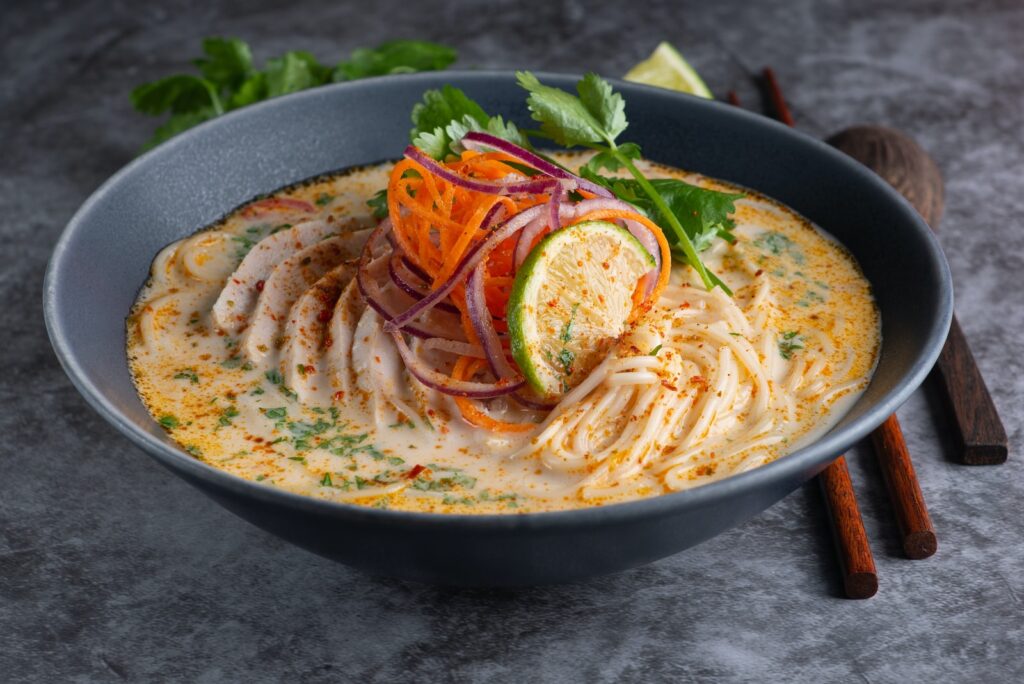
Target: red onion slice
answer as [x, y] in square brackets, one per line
[566, 212]
[483, 324]
[370, 289]
[478, 141]
[530, 186]
[446, 384]
[404, 275]
[473, 256]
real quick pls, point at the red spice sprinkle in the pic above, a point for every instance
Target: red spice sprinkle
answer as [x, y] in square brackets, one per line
[259, 286]
[759, 272]
[324, 316]
[415, 472]
[338, 396]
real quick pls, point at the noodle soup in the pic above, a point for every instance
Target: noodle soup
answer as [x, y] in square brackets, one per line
[256, 346]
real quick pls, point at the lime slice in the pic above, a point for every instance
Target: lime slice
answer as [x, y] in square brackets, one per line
[570, 302]
[666, 68]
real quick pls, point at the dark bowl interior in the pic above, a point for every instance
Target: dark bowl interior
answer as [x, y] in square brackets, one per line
[104, 255]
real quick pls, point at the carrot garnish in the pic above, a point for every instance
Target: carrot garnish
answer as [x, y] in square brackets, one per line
[465, 368]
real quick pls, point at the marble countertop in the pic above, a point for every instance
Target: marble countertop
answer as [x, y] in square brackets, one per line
[112, 569]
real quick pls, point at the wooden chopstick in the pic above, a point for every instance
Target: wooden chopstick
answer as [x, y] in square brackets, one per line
[980, 433]
[780, 108]
[857, 565]
[905, 493]
[856, 562]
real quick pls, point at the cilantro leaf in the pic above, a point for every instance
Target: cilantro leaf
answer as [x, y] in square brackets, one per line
[228, 79]
[395, 57]
[251, 90]
[563, 116]
[228, 62]
[704, 214]
[177, 94]
[440, 107]
[495, 125]
[444, 116]
[604, 104]
[293, 72]
[379, 204]
[608, 159]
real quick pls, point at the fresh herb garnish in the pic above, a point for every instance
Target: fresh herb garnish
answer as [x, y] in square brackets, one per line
[187, 374]
[444, 116]
[595, 118]
[654, 352]
[228, 80]
[566, 334]
[379, 204]
[790, 342]
[226, 415]
[169, 422]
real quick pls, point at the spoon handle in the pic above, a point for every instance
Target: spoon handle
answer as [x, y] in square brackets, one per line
[981, 437]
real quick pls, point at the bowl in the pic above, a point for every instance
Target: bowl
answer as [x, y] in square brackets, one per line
[104, 254]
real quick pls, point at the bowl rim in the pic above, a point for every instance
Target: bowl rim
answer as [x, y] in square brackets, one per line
[811, 457]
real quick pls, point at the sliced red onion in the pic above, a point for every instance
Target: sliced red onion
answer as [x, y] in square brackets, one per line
[566, 212]
[446, 384]
[483, 324]
[473, 256]
[478, 141]
[405, 277]
[531, 186]
[368, 286]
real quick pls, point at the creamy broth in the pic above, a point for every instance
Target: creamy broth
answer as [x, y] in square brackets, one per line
[287, 379]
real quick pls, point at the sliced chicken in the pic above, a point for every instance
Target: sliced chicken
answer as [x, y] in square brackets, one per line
[306, 332]
[285, 284]
[338, 352]
[234, 305]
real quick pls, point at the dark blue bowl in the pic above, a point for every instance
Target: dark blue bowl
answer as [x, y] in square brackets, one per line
[104, 255]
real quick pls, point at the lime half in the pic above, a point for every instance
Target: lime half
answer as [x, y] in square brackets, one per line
[666, 68]
[570, 302]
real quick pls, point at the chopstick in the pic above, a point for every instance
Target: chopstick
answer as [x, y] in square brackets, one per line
[916, 531]
[857, 565]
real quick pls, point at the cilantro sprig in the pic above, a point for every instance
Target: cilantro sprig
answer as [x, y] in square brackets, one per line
[445, 116]
[228, 79]
[595, 117]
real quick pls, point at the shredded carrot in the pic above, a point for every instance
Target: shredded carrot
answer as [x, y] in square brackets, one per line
[436, 222]
[465, 368]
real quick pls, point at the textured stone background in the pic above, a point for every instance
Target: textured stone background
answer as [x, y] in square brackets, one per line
[111, 569]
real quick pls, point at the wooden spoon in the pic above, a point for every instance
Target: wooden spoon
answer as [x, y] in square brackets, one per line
[908, 168]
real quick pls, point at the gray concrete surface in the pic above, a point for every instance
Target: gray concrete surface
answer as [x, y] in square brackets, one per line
[111, 569]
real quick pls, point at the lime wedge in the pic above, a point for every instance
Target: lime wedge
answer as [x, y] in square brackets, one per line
[570, 302]
[666, 68]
